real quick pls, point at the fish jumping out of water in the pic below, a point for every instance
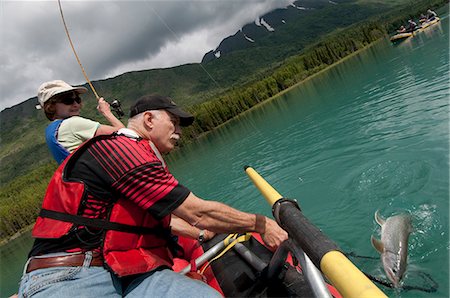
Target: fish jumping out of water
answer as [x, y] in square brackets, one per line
[393, 245]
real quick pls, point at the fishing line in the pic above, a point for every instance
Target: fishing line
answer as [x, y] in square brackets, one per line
[178, 38]
[75, 52]
[352, 254]
[425, 277]
[203, 68]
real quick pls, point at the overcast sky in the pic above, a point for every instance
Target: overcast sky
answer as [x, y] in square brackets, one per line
[110, 37]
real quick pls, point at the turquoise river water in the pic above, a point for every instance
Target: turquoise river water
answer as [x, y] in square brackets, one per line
[371, 133]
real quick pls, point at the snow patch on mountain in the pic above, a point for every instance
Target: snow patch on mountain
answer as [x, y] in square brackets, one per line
[265, 24]
[298, 7]
[246, 37]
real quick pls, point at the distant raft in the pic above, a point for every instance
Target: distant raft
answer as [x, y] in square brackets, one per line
[401, 36]
[427, 24]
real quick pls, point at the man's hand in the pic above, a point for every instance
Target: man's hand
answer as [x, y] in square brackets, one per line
[274, 235]
[103, 106]
[208, 235]
[182, 228]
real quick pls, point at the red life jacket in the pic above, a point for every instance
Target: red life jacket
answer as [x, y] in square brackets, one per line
[133, 242]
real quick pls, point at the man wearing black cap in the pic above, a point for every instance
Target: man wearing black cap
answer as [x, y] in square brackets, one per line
[105, 225]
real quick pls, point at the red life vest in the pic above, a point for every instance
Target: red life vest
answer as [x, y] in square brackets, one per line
[134, 241]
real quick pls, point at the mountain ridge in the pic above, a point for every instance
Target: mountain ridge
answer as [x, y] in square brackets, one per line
[255, 32]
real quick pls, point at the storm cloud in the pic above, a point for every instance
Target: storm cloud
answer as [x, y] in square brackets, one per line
[110, 38]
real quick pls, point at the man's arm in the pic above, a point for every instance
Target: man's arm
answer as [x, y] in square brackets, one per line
[220, 218]
[182, 228]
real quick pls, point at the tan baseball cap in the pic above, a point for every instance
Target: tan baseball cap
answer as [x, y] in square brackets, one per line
[52, 88]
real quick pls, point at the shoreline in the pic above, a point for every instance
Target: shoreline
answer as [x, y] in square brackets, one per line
[9, 239]
[291, 87]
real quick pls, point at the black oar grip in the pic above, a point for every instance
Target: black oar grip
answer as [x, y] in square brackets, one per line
[313, 242]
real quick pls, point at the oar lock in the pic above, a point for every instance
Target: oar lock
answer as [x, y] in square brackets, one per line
[283, 201]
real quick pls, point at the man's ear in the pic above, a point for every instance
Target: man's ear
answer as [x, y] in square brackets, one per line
[148, 119]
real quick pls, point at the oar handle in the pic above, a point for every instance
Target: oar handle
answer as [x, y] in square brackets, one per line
[271, 195]
[346, 277]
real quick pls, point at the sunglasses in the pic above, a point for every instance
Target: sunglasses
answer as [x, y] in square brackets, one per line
[68, 99]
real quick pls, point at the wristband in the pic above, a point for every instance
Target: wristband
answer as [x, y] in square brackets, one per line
[260, 223]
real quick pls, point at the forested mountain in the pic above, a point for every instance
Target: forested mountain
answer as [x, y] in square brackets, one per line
[287, 30]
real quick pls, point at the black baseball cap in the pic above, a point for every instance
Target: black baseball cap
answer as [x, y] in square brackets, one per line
[158, 102]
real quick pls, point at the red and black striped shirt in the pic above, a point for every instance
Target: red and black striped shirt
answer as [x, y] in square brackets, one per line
[113, 168]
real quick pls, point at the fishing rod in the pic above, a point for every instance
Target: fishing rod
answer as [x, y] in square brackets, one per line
[115, 104]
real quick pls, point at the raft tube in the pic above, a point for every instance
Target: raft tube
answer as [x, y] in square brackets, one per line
[401, 36]
[427, 24]
[235, 274]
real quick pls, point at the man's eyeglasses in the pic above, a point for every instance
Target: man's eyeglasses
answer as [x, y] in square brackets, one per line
[68, 99]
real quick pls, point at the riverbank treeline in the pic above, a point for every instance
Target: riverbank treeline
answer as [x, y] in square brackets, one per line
[21, 198]
[211, 114]
[315, 58]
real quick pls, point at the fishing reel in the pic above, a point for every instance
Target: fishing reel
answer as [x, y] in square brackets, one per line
[116, 108]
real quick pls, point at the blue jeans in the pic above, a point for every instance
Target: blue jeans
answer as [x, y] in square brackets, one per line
[96, 282]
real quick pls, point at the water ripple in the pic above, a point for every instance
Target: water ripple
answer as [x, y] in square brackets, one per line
[389, 179]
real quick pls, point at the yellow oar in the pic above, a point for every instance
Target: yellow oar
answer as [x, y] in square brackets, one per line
[346, 277]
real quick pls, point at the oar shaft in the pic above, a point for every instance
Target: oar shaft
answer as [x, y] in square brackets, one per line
[325, 254]
[347, 279]
[303, 232]
[250, 257]
[265, 188]
[313, 275]
[206, 256]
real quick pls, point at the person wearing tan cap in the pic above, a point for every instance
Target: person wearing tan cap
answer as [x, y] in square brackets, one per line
[431, 15]
[62, 103]
[105, 228]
